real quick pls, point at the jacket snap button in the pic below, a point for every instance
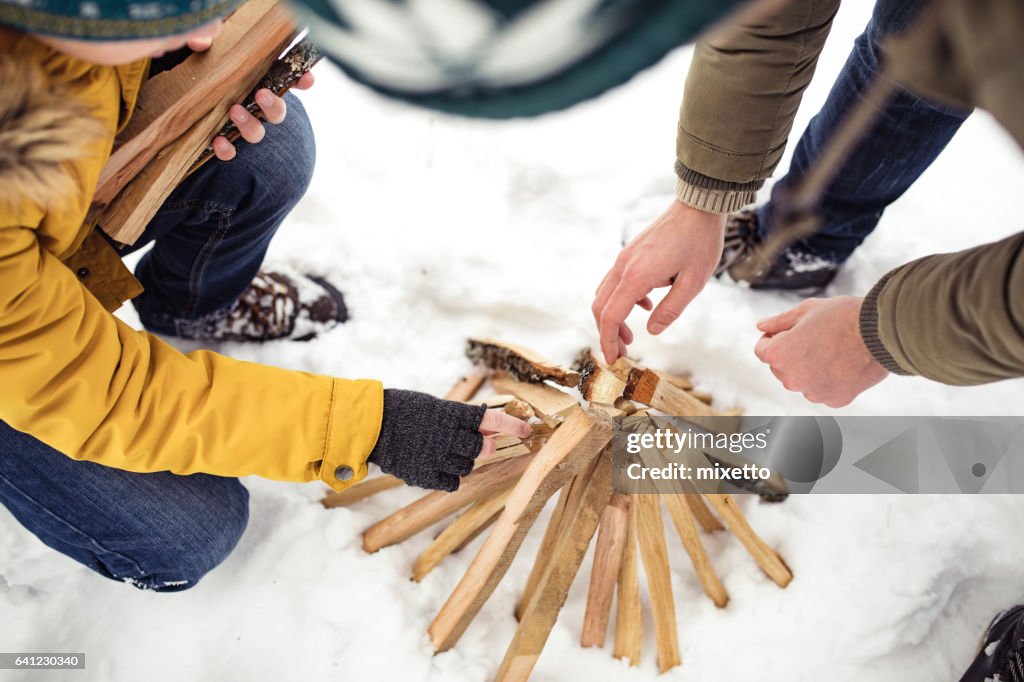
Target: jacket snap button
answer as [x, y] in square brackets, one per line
[343, 473]
[82, 273]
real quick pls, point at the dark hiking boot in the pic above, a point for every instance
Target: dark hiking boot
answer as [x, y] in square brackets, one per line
[795, 270]
[277, 306]
[1001, 653]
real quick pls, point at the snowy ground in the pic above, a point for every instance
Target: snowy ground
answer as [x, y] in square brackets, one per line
[437, 229]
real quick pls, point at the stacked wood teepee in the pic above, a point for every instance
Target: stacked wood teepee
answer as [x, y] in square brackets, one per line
[569, 454]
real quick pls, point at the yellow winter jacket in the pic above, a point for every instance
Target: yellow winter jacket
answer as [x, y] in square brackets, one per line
[82, 381]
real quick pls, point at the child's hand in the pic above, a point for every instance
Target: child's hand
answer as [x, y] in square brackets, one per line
[430, 443]
[250, 127]
[202, 38]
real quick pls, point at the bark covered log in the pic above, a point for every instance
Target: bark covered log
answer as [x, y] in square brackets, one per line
[281, 77]
[521, 363]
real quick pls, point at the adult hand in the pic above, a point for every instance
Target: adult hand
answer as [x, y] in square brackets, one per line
[816, 349]
[680, 249]
[251, 128]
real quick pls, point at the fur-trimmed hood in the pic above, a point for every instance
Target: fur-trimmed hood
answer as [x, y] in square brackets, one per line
[58, 118]
[43, 127]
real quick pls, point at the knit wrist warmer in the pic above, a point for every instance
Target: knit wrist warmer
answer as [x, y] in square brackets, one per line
[711, 195]
[426, 441]
[869, 330]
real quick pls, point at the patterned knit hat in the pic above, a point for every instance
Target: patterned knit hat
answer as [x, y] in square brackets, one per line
[112, 19]
[502, 58]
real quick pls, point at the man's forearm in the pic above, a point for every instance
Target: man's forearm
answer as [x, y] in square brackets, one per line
[956, 318]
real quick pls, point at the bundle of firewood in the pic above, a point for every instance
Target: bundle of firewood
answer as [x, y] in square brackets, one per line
[568, 453]
[180, 111]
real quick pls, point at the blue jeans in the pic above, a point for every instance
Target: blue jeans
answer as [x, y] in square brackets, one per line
[908, 135]
[161, 531]
[210, 236]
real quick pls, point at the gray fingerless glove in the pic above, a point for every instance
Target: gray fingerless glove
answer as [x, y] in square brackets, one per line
[426, 441]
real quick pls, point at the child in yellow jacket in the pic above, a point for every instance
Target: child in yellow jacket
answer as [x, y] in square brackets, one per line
[115, 448]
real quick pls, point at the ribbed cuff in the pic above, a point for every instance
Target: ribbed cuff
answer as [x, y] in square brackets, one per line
[712, 195]
[869, 330]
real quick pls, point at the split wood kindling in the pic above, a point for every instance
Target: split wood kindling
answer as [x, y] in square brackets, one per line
[568, 456]
[180, 111]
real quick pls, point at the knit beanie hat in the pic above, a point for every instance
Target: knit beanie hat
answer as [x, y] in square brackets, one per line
[112, 19]
[502, 58]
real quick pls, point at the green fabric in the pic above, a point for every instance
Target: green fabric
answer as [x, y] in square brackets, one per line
[957, 318]
[967, 53]
[117, 20]
[630, 35]
[743, 90]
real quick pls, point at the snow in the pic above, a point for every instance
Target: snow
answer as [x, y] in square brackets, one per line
[438, 228]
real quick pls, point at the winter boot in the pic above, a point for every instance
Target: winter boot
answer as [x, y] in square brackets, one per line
[795, 270]
[1001, 654]
[275, 306]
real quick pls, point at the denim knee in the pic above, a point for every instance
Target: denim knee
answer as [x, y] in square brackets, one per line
[280, 167]
[184, 553]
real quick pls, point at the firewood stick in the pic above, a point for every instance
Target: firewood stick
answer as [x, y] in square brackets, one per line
[611, 539]
[520, 409]
[504, 440]
[609, 410]
[170, 103]
[623, 366]
[767, 558]
[629, 625]
[522, 363]
[502, 454]
[651, 535]
[546, 543]
[435, 506]
[551, 405]
[466, 387]
[478, 531]
[361, 491]
[650, 388]
[126, 216]
[682, 519]
[708, 521]
[628, 407]
[493, 401]
[452, 537]
[679, 382]
[568, 502]
[598, 383]
[279, 79]
[561, 569]
[572, 446]
[702, 396]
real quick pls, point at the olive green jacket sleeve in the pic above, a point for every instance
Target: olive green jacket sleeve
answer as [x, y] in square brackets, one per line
[741, 96]
[957, 318]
